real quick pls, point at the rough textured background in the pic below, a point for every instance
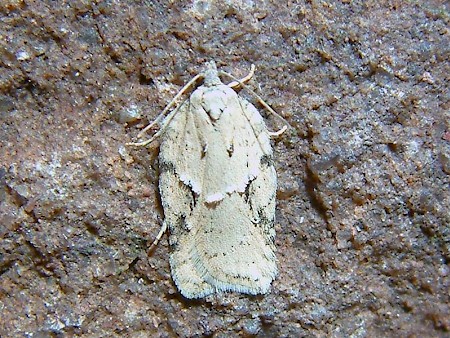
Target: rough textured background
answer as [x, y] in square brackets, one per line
[363, 214]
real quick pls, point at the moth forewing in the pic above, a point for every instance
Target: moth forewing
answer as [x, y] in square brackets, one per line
[218, 187]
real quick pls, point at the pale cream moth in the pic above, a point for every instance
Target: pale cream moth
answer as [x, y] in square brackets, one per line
[218, 185]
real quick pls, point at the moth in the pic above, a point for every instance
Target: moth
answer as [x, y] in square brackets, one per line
[218, 185]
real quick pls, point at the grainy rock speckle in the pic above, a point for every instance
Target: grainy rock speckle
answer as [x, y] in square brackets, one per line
[363, 218]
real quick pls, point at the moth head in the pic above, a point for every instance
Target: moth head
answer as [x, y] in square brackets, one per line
[211, 75]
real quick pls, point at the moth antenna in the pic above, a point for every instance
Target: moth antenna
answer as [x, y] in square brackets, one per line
[245, 79]
[277, 133]
[158, 119]
[260, 99]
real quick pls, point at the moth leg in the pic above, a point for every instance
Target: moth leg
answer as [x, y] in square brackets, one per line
[158, 237]
[238, 83]
[144, 143]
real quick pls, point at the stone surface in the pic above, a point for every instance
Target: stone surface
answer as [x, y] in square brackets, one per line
[363, 219]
